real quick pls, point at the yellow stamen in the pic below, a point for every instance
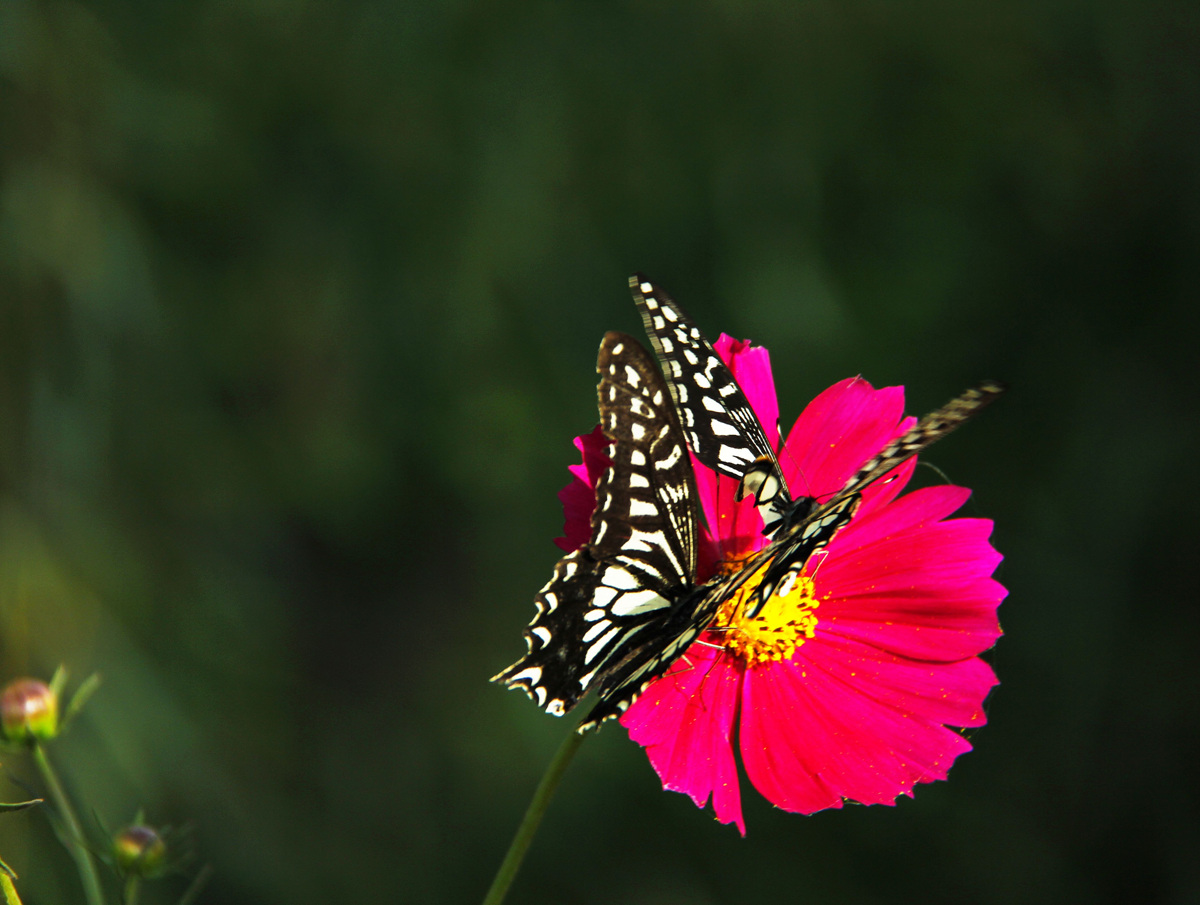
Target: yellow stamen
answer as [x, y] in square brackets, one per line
[781, 626]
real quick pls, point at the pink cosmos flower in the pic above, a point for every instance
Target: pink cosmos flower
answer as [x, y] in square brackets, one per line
[844, 689]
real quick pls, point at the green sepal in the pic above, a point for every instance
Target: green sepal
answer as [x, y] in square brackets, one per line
[86, 689]
[58, 684]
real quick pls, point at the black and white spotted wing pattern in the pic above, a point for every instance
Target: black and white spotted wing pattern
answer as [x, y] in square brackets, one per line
[623, 606]
[722, 429]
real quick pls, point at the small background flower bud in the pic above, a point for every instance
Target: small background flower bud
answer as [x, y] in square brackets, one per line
[28, 711]
[139, 850]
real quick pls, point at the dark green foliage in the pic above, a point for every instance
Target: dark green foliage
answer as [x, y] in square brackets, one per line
[299, 309]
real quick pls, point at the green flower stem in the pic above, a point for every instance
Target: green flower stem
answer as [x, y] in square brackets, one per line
[132, 886]
[533, 818]
[74, 832]
[10, 891]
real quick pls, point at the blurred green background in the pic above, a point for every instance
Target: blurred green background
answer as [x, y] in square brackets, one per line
[299, 306]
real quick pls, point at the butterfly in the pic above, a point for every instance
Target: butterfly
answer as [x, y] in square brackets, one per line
[725, 435]
[622, 608]
[619, 610]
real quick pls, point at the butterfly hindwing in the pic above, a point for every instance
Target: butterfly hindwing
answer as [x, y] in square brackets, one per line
[611, 616]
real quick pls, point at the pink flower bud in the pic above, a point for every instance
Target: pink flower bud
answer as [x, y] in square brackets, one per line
[28, 711]
[139, 850]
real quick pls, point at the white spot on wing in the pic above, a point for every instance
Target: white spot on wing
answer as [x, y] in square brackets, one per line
[732, 455]
[598, 647]
[621, 579]
[639, 602]
[668, 462]
[603, 597]
[596, 629]
[532, 675]
[640, 508]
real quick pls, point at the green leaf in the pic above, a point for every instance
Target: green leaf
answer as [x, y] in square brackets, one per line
[195, 887]
[81, 696]
[18, 805]
[6, 884]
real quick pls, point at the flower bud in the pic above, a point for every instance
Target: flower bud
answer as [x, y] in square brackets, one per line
[139, 850]
[28, 711]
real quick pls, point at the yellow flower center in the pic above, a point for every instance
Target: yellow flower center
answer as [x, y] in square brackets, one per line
[781, 626]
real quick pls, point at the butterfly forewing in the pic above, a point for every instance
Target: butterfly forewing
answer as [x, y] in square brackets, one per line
[792, 551]
[645, 514]
[616, 600]
[722, 429]
[929, 429]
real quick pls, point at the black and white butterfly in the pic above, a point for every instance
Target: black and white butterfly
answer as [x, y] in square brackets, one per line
[624, 606]
[725, 435]
[621, 609]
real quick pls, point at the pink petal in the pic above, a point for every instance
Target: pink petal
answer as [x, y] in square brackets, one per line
[912, 585]
[579, 497]
[813, 739]
[785, 773]
[923, 624]
[838, 431]
[736, 527]
[951, 693]
[930, 504]
[939, 555]
[685, 722]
